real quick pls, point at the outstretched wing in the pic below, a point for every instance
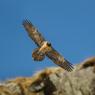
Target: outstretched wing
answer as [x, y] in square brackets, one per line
[33, 32]
[59, 60]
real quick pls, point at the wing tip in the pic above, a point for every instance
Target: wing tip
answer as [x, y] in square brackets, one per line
[69, 67]
[26, 21]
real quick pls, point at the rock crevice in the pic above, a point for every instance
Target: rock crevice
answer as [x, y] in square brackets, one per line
[55, 81]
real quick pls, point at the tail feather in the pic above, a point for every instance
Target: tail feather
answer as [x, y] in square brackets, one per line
[37, 56]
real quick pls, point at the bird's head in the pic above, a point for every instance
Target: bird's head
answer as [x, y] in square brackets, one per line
[48, 44]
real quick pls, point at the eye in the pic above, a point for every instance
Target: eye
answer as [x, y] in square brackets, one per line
[49, 44]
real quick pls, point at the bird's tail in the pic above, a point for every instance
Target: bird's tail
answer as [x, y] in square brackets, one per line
[37, 56]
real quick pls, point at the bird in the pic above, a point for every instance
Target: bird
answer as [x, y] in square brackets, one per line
[45, 48]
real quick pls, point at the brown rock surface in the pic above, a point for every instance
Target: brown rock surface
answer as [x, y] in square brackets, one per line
[55, 81]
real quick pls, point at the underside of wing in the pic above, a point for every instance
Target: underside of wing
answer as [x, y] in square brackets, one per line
[33, 32]
[59, 60]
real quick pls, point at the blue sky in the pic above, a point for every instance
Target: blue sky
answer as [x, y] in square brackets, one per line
[68, 24]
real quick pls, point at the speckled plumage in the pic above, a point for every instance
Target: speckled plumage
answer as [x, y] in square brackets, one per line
[44, 49]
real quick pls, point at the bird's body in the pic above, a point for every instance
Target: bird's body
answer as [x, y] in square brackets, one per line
[39, 53]
[45, 48]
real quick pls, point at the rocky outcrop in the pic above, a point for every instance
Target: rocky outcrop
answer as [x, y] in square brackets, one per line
[55, 81]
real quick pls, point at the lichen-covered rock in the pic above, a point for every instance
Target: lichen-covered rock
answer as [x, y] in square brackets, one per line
[55, 81]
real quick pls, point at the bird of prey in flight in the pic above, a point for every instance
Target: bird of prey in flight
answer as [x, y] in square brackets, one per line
[45, 48]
